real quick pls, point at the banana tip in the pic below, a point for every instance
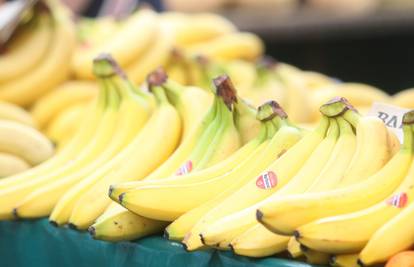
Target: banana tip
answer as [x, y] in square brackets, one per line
[332, 260]
[303, 248]
[111, 189]
[166, 235]
[157, 77]
[296, 234]
[121, 197]
[53, 223]
[202, 239]
[15, 213]
[259, 215]
[72, 226]
[92, 231]
[360, 263]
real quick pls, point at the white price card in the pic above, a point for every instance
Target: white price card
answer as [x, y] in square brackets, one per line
[391, 115]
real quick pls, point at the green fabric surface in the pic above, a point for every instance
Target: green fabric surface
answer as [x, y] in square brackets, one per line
[39, 244]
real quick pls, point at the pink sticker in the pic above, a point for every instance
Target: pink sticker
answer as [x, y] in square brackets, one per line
[267, 180]
[187, 167]
[399, 200]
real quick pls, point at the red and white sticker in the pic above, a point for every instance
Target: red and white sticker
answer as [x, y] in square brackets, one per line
[187, 167]
[267, 180]
[399, 200]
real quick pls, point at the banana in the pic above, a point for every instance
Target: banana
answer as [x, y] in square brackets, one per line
[333, 234]
[36, 204]
[15, 113]
[245, 120]
[293, 246]
[314, 256]
[68, 94]
[130, 42]
[11, 164]
[266, 86]
[316, 80]
[155, 56]
[404, 98]
[118, 224]
[391, 237]
[224, 230]
[122, 167]
[191, 29]
[25, 142]
[20, 58]
[258, 188]
[65, 125]
[82, 138]
[238, 45]
[243, 74]
[295, 211]
[177, 67]
[297, 96]
[344, 260]
[51, 71]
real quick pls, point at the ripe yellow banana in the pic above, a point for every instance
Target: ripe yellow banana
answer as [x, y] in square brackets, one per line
[344, 260]
[246, 122]
[20, 58]
[155, 56]
[25, 142]
[82, 138]
[293, 246]
[65, 124]
[11, 164]
[394, 236]
[295, 211]
[261, 185]
[51, 71]
[196, 28]
[130, 42]
[15, 113]
[404, 98]
[227, 228]
[68, 94]
[243, 73]
[239, 45]
[314, 256]
[297, 96]
[119, 224]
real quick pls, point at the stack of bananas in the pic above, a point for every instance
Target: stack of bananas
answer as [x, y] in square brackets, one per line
[36, 58]
[21, 144]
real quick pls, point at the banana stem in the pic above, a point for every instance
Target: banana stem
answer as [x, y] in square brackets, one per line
[336, 107]
[352, 116]
[159, 94]
[225, 90]
[114, 96]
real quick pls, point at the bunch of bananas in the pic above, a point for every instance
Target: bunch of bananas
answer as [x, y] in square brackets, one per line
[36, 58]
[59, 112]
[21, 144]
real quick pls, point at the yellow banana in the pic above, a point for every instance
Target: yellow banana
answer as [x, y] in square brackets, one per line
[130, 42]
[11, 164]
[293, 246]
[404, 98]
[196, 28]
[20, 58]
[64, 96]
[51, 71]
[314, 256]
[239, 45]
[25, 142]
[15, 113]
[155, 56]
[65, 125]
[344, 260]
[119, 224]
[295, 211]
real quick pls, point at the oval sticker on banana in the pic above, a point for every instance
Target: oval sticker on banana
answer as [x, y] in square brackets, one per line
[391, 115]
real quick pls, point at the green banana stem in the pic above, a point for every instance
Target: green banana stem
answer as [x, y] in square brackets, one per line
[323, 125]
[114, 96]
[173, 90]
[344, 126]
[336, 107]
[333, 130]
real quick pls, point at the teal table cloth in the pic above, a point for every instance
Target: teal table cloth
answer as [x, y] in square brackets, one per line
[38, 244]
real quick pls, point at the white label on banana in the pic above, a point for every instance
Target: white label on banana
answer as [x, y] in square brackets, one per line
[391, 115]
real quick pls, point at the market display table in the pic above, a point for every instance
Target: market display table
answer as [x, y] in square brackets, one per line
[39, 244]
